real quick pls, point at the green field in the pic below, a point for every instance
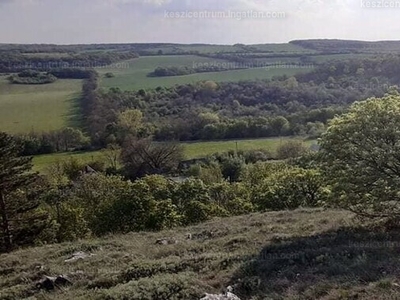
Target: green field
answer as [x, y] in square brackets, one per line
[132, 74]
[27, 108]
[192, 150]
[199, 149]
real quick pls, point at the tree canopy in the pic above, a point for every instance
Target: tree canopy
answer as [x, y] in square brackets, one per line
[361, 154]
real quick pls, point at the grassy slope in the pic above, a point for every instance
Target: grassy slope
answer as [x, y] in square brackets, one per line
[305, 254]
[132, 74]
[25, 108]
[192, 150]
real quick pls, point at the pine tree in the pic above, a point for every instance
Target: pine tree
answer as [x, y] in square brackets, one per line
[17, 183]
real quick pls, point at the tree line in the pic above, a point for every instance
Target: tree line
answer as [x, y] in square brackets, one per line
[31, 77]
[17, 62]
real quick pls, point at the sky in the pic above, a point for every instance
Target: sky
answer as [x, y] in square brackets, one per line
[196, 21]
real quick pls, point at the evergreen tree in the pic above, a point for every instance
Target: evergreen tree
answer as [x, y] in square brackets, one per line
[18, 195]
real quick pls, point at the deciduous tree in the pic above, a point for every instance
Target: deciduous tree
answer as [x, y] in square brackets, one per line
[361, 154]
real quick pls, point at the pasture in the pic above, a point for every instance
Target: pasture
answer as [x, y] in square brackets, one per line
[132, 74]
[192, 150]
[200, 149]
[38, 108]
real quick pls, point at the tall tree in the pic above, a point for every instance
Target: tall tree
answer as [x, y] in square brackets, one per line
[361, 155]
[145, 157]
[15, 179]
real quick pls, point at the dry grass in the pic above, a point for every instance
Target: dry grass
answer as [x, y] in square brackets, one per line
[305, 254]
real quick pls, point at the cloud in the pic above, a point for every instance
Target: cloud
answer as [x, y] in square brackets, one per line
[94, 21]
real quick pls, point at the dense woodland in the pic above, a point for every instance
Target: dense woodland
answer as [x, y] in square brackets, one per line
[11, 62]
[300, 105]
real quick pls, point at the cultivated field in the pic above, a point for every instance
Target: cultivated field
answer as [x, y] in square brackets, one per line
[132, 74]
[304, 254]
[192, 150]
[26, 108]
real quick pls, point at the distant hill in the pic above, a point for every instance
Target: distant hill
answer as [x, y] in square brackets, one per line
[322, 46]
[348, 46]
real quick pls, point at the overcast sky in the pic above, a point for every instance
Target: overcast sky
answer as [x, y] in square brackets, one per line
[195, 21]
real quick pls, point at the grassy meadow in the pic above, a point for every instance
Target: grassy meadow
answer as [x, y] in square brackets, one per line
[200, 149]
[41, 162]
[27, 108]
[132, 74]
[192, 150]
[301, 254]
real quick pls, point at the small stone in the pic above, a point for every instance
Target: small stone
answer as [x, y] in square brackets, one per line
[166, 241]
[78, 255]
[50, 283]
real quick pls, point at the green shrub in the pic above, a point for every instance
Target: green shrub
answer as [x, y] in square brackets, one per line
[291, 149]
[155, 288]
[280, 186]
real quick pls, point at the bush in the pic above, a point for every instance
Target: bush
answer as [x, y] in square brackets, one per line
[291, 149]
[156, 287]
[280, 186]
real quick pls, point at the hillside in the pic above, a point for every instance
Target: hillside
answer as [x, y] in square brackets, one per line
[348, 46]
[279, 255]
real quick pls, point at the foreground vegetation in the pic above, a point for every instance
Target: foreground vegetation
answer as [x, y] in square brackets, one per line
[305, 254]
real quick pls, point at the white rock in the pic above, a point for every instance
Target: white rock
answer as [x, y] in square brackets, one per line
[78, 255]
[228, 296]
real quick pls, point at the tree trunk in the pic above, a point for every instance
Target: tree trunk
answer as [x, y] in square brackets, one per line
[5, 225]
